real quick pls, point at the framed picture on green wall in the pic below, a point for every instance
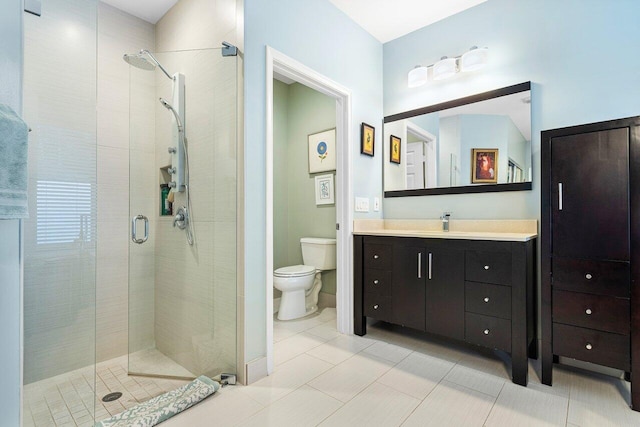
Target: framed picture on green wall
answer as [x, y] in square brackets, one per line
[324, 190]
[322, 151]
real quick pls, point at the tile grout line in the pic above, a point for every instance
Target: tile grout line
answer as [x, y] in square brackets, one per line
[494, 404]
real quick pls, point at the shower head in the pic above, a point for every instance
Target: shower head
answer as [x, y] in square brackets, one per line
[139, 61]
[145, 61]
[169, 107]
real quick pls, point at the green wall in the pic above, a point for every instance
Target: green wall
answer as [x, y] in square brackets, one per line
[297, 112]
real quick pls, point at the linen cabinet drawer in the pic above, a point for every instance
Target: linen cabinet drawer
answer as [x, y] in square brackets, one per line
[487, 331]
[490, 300]
[377, 281]
[603, 348]
[377, 256]
[488, 267]
[376, 306]
[594, 277]
[600, 312]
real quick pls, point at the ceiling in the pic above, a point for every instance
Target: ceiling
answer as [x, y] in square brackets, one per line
[149, 10]
[389, 19]
[384, 19]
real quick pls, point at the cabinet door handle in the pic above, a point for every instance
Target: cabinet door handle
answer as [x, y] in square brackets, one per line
[588, 346]
[588, 311]
[486, 299]
[430, 264]
[375, 282]
[486, 331]
[559, 196]
[419, 265]
[486, 267]
[588, 276]
[376, 257]
[375, 307]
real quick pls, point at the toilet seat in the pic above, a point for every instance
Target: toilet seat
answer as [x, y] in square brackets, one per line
[295, 271]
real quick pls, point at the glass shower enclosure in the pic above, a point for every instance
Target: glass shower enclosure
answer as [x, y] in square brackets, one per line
[182, 206]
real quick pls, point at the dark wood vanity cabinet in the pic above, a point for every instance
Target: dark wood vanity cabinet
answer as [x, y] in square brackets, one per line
[481, 292]
[590, 233]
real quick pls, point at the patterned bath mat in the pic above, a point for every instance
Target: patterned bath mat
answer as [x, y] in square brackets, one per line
[165, 406]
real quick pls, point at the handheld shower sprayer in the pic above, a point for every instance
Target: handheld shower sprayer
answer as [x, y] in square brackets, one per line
[169, 107]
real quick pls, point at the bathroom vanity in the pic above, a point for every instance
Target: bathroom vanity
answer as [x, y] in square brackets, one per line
[473, 283]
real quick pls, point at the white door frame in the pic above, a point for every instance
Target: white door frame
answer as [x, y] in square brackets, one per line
[288, 67]
[430, 141]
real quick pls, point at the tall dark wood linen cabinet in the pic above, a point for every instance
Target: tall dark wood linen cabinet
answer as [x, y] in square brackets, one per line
[590, 247]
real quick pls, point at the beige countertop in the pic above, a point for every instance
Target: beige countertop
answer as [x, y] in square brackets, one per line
[500, 230]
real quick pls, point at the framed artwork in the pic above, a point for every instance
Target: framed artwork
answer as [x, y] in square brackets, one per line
[324, 190]
[395, 147]
[484, 165]
[367, 139]
[322, 151]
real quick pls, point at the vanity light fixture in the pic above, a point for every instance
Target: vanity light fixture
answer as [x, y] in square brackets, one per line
[445, 68]
[418, 76]
[472, 60]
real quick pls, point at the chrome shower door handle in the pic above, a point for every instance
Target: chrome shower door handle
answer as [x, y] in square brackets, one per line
[134, 233]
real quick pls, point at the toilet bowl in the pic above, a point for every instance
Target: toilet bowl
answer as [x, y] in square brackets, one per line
[301, 284]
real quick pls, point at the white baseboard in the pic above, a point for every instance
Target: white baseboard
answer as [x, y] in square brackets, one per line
[256, 370]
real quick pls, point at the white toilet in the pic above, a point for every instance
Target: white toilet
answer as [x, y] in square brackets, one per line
[300, 284]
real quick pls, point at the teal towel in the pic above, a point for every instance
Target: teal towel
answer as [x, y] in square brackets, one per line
[165, 406]
[13, 164]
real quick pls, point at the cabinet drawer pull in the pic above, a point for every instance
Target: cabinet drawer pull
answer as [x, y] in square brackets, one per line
[486, 332]
[430, 264]
[588, 346]
[375, 307]
[486, 267]
[375, 282]
[419, 265]
[588, 276]
[588, 311]
[376, 257]
[486, 299]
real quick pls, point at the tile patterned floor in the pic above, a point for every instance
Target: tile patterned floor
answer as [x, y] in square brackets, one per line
[393, 377]
[68, 399]
[390, 377]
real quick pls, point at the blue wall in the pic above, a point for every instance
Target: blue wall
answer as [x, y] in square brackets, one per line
[10, 270]
[578, 54]
[317, 34]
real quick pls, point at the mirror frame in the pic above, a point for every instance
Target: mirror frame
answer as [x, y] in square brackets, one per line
[484, 188]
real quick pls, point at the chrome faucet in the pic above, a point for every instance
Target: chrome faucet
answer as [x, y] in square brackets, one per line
[445, 221]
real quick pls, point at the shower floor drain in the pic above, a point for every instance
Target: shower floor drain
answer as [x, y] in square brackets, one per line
[112, 396]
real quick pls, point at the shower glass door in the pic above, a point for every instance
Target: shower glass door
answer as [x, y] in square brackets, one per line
[182, 297]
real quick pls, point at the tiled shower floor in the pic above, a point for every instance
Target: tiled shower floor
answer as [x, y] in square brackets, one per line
[68, 399]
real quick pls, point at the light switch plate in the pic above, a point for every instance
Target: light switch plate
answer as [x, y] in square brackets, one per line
[362, 204]
[376, 204]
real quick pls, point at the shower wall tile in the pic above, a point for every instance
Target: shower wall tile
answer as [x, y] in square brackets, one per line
[210, 23]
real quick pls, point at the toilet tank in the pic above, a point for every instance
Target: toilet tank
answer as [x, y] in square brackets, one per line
[319, 252]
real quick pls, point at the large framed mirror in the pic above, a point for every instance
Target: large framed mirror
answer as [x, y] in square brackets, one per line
[480, 143]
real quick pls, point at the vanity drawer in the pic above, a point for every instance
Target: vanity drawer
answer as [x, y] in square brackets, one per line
[488, 267]
[377, 256]
[487, 331]
[377, 281]
[594, 277]
[376, 306]
[490, 300]
[600, 312]
[599, 347]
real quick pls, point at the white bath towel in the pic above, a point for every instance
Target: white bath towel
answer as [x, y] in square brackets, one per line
[13, 164]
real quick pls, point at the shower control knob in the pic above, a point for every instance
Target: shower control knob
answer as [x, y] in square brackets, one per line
[171, 150]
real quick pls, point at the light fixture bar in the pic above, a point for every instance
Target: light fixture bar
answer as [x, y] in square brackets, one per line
[472, 60]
